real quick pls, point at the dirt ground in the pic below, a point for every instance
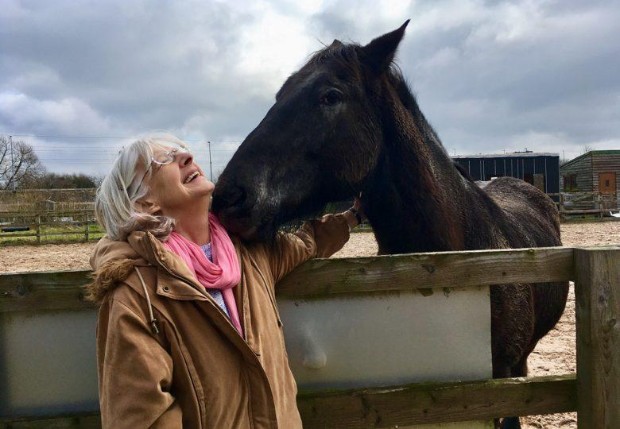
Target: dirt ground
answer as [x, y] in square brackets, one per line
[554, 355]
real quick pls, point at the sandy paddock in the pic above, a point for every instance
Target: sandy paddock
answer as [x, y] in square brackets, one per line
[554, 355]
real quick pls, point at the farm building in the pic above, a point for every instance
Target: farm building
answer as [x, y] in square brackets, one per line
[540, 169]
[595, 171]
[590, 181]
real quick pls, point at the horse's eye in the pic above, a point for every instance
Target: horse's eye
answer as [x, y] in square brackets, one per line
[331, 97]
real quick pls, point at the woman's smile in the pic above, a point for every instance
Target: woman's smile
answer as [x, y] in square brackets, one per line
[191, 177]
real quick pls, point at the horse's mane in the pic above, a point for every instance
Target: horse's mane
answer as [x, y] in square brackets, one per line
[406, 96]
[344, 55]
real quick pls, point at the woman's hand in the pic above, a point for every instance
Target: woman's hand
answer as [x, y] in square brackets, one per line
[355, 214]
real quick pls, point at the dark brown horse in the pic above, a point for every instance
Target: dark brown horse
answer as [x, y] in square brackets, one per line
[346, 123]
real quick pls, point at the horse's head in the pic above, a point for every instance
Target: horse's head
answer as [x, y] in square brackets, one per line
[318, 143]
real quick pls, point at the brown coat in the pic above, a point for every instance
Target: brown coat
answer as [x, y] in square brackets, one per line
[185, 365]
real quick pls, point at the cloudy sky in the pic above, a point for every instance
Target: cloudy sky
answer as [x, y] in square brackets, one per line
[78, 79]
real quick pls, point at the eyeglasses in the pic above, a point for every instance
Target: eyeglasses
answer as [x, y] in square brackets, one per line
[168, 157]
[163, 158]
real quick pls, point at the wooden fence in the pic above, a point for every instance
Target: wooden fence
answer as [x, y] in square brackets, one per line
[585, 203]
[46, 206]
[54, 221]
[48, 226]
[594, 391]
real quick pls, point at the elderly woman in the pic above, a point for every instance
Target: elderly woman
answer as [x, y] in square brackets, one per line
[188, 333]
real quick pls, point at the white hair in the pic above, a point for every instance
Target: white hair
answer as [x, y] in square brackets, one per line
[117, 205]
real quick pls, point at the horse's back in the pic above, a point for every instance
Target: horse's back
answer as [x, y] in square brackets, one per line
[531, 216]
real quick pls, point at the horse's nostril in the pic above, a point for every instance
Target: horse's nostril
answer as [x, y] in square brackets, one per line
[237, 196]
[228, 197]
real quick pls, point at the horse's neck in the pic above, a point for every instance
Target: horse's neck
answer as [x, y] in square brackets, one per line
[412, 200]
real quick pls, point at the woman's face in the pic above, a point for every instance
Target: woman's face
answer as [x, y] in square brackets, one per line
[179, 186]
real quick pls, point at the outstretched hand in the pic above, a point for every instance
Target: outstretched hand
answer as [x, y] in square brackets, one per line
[355, 214]
[357, 205]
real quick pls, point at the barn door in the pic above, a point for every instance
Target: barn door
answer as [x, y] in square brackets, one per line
[539, 182]
[607, 183]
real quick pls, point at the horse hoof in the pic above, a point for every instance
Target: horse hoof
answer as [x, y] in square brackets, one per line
[510, 423]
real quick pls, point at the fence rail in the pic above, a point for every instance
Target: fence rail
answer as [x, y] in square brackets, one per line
[47, 221]
[594, 391]
[48, 226]
[35, 207]
[586, 203]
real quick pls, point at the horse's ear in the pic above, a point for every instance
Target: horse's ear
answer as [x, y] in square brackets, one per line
[379, 53]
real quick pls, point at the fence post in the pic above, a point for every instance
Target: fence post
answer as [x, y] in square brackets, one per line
[597, 293]
[38, 229]
[85, 218]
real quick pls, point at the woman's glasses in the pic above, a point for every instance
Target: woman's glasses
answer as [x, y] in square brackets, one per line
[168, 157]
[163, 158]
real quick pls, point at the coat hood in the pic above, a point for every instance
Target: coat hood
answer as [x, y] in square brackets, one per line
[114, 261]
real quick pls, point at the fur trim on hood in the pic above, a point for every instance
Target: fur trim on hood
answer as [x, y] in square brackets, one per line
[112, 262]
[107, 277]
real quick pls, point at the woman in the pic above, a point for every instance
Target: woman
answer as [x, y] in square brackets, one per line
[189, 333]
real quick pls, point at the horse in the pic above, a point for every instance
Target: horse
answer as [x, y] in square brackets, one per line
[346, 124]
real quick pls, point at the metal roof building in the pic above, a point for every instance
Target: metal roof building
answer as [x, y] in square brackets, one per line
[540, 169]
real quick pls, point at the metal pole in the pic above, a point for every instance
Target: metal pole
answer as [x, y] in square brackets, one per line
[210, 163]
[12, 164]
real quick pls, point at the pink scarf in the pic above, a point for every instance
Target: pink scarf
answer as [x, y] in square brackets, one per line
[223, 273]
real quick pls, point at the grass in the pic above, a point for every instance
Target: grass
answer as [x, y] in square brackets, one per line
[55, 234]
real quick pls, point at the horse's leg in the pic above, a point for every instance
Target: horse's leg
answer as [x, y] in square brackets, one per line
[512, 328]
[518, 370]
[550, 300]
[510, 423]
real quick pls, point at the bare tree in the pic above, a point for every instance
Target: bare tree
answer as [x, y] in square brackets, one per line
[18, 163]
[61, 181]
[587, 148]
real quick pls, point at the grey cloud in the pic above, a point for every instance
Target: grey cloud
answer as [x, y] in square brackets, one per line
[563, 82]
[136, 66]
